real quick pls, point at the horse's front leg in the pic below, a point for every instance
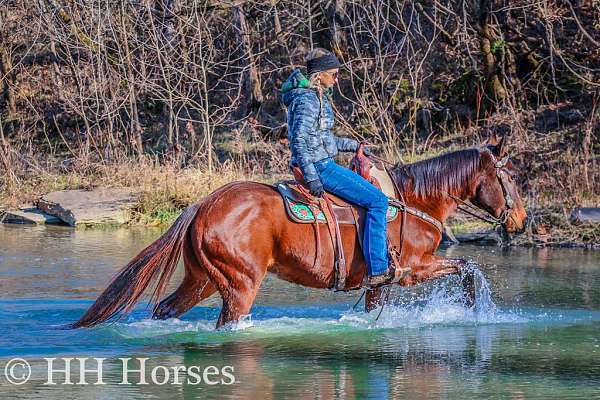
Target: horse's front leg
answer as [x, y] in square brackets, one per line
[373, 299]
[435, 267]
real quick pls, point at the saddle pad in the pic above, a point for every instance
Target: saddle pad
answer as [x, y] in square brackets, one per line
[302, 213]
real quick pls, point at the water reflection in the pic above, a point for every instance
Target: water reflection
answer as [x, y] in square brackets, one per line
[450, 362]
[60, 261]
[543, 341]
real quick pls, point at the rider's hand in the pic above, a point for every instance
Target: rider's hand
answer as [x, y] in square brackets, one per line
[316, 188]
[365, 149]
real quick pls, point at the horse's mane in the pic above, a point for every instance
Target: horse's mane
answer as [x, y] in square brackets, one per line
[434, 177]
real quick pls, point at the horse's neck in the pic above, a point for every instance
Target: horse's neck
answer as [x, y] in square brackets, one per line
[439, 207]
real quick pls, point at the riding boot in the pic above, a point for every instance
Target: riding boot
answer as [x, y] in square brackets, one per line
[373, 281]
[389, 276]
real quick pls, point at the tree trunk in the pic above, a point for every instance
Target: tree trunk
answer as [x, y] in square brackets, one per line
[166, 11]
[135, 126]
[338, 36]
[6, 71]
[490, 64]
[251, 78]
[276, 21]
[8, 81]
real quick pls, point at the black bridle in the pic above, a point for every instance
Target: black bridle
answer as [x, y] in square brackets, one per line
[472, 210]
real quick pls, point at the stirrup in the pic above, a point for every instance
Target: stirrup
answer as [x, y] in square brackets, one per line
[375, 281]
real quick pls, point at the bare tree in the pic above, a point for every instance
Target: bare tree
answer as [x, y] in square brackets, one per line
[101, 82]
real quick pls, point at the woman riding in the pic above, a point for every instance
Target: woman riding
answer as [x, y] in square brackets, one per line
[313, 145]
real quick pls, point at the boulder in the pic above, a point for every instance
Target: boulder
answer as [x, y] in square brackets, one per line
[90, 207]
[28, 215]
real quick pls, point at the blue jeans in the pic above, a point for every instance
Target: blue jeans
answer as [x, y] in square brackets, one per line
[357, 190]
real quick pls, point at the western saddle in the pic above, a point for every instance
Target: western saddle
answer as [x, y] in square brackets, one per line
[332, 210]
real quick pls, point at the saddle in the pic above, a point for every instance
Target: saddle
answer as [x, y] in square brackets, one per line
[302, 207]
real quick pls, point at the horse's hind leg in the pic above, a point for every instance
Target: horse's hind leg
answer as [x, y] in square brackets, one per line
[187, 295]
[239, 293]
[195, 287]
[236, 303]
[237, 279]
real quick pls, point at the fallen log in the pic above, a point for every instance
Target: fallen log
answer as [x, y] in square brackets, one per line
[585, 214]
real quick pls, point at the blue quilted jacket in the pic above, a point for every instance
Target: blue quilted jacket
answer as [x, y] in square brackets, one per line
[309, 126]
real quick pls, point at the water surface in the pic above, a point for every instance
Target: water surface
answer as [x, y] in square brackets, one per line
[537, 336]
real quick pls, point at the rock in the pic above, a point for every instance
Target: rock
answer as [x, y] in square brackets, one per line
[29, 215]
[459, 229]
[585, 214]
[83, 207]
[448, 236]
[484, 236]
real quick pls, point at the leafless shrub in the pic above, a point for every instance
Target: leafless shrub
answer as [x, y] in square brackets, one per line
[94, 82]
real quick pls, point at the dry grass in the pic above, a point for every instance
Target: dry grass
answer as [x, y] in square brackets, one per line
[166, 189]
[552, 227]
[552, 180]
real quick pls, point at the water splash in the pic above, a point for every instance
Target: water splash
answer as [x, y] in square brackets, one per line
[149, 328]
[483, 293]
[441, 303]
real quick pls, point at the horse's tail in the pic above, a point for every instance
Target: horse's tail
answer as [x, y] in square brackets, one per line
[156, 262]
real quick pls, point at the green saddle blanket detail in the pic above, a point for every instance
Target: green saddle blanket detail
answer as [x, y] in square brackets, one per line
[303, 212]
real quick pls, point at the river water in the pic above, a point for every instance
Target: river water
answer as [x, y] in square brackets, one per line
[534, 334]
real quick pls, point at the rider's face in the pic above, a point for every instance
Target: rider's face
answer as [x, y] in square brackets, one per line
[329, 78]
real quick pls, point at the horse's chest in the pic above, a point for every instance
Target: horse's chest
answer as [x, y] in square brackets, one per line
[418, 239]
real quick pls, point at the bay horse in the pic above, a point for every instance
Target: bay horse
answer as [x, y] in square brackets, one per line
[241, 231]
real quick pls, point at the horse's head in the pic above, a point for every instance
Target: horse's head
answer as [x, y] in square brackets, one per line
[496, 189]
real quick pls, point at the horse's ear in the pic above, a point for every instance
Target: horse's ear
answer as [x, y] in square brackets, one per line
[492, 140]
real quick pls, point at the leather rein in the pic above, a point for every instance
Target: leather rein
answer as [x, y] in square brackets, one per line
[467, 208]
[472, 210]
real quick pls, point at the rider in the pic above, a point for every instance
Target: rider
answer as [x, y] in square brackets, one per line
[313, 145]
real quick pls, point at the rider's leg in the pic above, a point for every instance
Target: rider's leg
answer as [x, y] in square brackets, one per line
[356, 189]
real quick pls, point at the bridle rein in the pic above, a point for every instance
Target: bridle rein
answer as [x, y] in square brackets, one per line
[472, 210]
